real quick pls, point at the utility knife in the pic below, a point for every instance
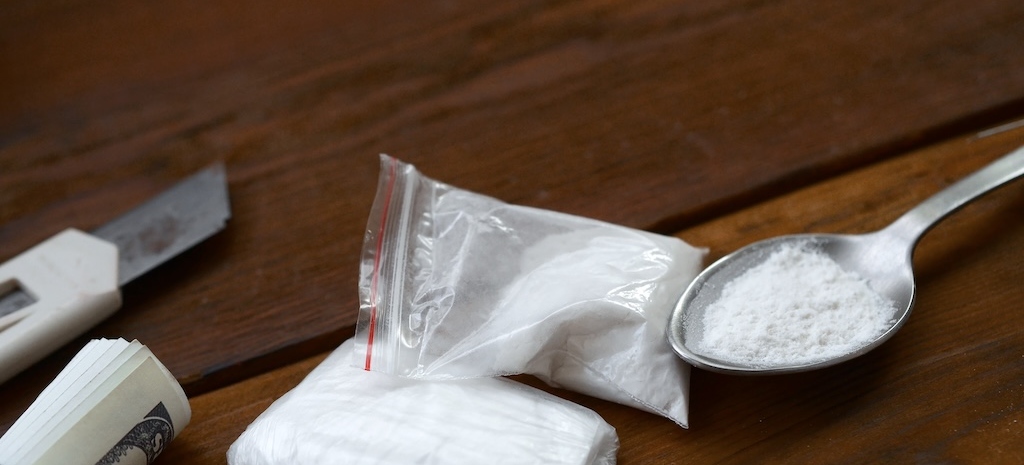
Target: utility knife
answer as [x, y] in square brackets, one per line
[57, 290]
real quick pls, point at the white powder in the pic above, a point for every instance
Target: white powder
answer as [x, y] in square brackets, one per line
[796, 307]
[341, 414]
[470, 286]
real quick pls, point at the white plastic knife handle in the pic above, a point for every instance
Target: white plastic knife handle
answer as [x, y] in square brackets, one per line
[73, 277]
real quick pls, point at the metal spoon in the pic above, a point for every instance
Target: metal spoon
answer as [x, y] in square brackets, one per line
[883, 257]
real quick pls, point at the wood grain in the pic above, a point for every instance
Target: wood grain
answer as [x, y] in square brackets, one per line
[650, 114]
[945, 389]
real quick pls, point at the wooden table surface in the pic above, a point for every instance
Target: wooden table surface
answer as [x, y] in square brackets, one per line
[719, 122]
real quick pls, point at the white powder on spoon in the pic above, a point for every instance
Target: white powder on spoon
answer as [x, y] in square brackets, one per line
[796, 307]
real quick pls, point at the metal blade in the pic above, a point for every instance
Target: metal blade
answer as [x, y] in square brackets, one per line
[157, 230]
[169, 223]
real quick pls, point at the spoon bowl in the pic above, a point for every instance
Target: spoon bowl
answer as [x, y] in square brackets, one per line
[883, 258]
[855, 253]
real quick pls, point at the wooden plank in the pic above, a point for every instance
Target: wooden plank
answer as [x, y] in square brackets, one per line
[945, 389]
[648, 114]
[604, 101]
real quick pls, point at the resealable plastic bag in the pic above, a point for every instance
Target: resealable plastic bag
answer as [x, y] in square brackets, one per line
[455, 284]
[341, 414]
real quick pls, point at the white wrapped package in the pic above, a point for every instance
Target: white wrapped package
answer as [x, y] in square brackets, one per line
[344, 415]
[456, 285]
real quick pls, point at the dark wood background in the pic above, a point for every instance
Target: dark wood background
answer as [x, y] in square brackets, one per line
[721, 122]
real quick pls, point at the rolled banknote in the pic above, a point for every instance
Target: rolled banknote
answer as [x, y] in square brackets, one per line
[113, 403]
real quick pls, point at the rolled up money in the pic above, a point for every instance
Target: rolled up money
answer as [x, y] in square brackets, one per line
[113, 403]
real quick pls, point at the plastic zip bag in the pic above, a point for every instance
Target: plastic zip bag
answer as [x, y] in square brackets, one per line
[454, 284]
[342, 414]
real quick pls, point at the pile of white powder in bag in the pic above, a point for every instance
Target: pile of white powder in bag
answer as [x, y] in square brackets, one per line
[796, 307]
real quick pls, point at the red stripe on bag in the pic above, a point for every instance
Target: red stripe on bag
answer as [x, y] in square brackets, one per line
[392, 172]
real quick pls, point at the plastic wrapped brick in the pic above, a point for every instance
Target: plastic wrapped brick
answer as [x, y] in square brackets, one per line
[342, 414]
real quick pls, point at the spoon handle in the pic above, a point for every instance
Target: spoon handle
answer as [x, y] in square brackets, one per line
[914, 223]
